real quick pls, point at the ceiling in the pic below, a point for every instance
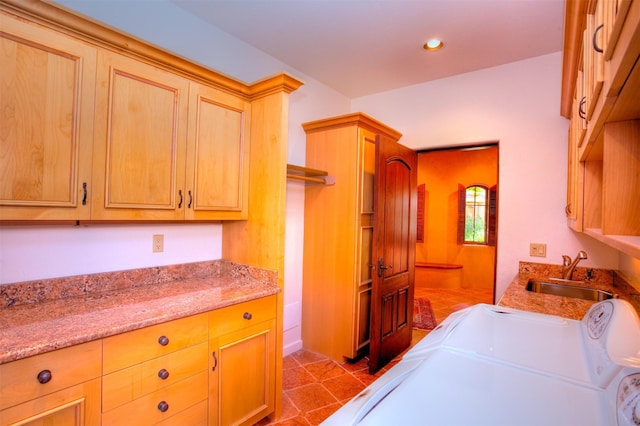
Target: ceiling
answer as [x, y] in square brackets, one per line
[361, 47]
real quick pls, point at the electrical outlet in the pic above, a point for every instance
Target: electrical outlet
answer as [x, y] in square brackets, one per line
[158, 243]
[538, 249]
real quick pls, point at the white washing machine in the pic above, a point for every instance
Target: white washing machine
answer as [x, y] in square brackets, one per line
[490, 365]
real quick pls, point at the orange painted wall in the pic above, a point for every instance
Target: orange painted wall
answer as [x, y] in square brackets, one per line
[441, 172]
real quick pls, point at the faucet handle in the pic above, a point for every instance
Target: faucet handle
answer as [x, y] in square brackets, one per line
[566, 260]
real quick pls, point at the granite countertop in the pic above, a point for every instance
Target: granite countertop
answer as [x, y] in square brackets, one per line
[516, 296]
[36, 317]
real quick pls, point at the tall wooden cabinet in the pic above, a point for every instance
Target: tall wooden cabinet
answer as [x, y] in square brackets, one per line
[337, 277]
[601, 83]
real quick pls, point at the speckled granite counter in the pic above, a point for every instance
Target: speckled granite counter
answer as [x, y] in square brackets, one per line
[516, 295]
[40, 316]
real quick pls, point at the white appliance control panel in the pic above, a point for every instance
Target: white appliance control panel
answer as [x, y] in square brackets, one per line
[628, 400]
[598, 318]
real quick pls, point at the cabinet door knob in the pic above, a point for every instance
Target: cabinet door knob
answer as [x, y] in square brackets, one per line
[247, 315]
[180, 201]
[44, 376]
[163, 340]
[163, 374]
[163, 406]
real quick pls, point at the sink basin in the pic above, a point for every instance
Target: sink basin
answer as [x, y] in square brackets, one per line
[565, 290]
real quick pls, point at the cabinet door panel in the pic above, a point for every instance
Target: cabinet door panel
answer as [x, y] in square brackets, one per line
[243, 375]
[140, 141]
[46, 95]
[77, 405]
[218, 154]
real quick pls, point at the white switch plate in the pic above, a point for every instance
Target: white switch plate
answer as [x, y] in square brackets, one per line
[158, 243]
[538, 249]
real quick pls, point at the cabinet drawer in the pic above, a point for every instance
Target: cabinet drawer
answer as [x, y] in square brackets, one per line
[236, 317]
[134, 347]
[192, 416]
[147, 410]
[131, 383]
[67, 367]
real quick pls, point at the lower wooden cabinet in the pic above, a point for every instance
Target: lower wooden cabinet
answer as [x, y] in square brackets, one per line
[242, 346]
[55, 388]
[215, 368]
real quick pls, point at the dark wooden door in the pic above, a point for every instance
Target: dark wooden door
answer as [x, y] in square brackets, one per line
[395, 210]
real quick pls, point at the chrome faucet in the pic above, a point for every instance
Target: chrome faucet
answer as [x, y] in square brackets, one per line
[568, 266]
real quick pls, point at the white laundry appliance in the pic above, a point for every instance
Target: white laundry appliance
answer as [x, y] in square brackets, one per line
[491, 365]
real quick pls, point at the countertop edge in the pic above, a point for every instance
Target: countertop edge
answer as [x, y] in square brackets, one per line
[56, 332]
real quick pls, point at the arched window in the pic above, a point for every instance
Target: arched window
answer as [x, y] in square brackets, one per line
[475, 214]
[477, 207]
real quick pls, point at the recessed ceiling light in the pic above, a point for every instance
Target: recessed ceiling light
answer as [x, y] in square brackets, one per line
[433, 44]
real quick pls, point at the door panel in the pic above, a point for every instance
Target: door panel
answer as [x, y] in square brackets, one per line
[394, 249]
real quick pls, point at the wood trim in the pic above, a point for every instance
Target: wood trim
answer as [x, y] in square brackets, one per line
[355, 119]
[92, 31]
[574, 25]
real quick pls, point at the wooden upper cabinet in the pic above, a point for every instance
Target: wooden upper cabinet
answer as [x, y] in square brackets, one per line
[140, 141]
[46, 97]
[217, 172]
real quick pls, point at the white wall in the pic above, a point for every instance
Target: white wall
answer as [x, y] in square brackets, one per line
[517, 104]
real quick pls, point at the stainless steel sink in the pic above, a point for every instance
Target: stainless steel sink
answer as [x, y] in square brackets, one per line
[566, 290]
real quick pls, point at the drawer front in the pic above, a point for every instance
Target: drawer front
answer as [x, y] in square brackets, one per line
[21, 380]
[192, 416]
[148, 410]
[242, 315]
[131, 348]
[126, 385]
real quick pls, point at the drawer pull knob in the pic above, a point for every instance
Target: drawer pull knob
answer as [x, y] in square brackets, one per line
[163, 374]
[247, 315]
[163, 340]
[44, 376]
[163, 406]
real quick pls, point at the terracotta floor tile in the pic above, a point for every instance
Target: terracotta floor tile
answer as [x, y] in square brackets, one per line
[296, 377]
[304, 356]
[289, 362]
[361, 364]
[316, 417]
[323, 370]
[344, 387]
[296, 421]
[310, 397]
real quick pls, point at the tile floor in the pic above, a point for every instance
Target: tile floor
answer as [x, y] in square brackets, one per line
[315, 386]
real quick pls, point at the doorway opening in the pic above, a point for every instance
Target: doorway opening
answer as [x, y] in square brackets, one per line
[451, 271]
